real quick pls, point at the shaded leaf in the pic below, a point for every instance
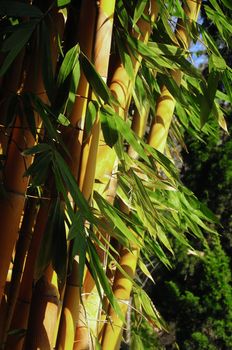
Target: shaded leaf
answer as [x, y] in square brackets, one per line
[19, 9]
[91, 115]
[14, 44]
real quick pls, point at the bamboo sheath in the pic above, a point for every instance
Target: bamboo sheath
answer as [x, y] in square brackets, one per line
[166, 102]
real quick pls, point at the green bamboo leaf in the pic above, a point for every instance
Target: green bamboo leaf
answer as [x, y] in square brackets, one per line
[62, 3]
[227, 81]
[162, 235]
[125, 130]
[74, 81]
[46, 247]
[72, 186]
[217, 63]
[14, 44]
[139, 10]
[136, 342]
[63, 120]
[48, 119]
[154, 247]
[125, 56]
[76, 227]
[109, 128]
[164, 15]
[227, 3]
[149, 309]
[166, 50]
[99, 274]
[111, 213]
[207, 100]
[69, 62]
[173, 88]
[210, 43]
[145, 270]
[38, 170]
[95, 80]
[59, 257]
[41, 147]
[79, 248]
[19, 9]
[163, 161]
[91, 116]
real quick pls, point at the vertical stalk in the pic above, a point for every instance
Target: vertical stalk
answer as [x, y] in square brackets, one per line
[25, 290]
[102, 48]
[112, 332]
[22, 308]
[166, 102]
[71, 304]
[22, 247]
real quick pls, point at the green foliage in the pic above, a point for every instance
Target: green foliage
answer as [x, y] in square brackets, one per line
[199, 290]
[160, 206]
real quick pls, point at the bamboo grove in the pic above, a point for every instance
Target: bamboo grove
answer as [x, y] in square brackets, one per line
[95, 98]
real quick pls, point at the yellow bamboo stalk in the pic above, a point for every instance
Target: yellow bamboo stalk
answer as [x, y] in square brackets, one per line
[41, 329]
[139, 123]
[22, 308]
[112, 332]
[39, 87]
[70, 311]
[101, 60]
[90, 148]
[73, 137]
[166, 102]
[19, 261]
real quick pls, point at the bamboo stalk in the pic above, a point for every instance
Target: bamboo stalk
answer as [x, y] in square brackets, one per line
[166, 102]
[112, 332]
[41, 331]
[27, 281]
[19, 261]
[101, 60]
[70, 312]
[22, 308]
[90, 150]
[139, 123]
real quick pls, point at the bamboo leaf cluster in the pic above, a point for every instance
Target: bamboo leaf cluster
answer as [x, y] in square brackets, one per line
[94, 98]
